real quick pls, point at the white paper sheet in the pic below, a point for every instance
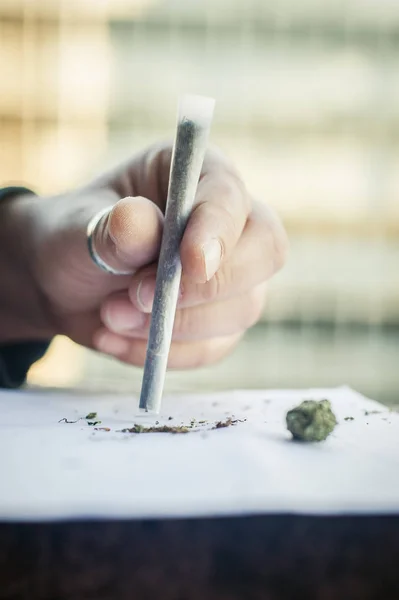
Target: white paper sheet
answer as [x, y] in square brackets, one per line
[52, 470]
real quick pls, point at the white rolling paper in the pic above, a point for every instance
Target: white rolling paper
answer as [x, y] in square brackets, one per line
[51, 470]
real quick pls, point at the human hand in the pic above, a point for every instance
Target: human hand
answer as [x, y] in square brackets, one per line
[231, 247]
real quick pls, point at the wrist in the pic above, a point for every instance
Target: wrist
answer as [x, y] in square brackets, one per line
[22, 314]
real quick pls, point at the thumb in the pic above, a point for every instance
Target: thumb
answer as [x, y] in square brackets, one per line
[129, 236]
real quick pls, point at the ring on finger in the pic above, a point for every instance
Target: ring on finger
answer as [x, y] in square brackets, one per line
[96, 258]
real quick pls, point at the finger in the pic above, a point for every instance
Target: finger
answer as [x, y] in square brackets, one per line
[207, 321]
[259, 254]
[129, 236]
[183, 355]
[216, 223]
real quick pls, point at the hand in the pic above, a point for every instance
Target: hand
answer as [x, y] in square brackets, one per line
[231, 247]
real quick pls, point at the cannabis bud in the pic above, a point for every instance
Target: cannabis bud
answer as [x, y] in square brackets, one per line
[311, 421]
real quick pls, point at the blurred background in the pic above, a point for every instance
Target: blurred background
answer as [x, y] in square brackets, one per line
[307, 105]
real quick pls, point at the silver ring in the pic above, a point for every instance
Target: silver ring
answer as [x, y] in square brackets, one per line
[92, 250]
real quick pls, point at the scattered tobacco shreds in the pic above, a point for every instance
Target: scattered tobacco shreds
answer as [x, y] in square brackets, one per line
[156, 429]
[137, 428]
[227, 423]
[91, 416]
[221, 424]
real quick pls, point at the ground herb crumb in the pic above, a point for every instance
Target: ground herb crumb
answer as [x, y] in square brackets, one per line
[193, 426]
[94, 423]
[221, 424]
[91, 416]
[157, 429]
[102, 429]
[228, 423]
[311, 421]
[349, 419]
[372, 412]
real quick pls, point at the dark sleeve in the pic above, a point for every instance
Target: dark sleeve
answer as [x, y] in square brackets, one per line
[16, 359]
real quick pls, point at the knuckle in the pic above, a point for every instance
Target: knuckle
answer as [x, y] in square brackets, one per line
[254, 307]
[214, 350]
[281, 248]
[207, 353]
[225, 216]
[274, 240]
[204, 353]
[213, 289]
[217, 163]
[231, 227]
[184, 322]
[239, 184]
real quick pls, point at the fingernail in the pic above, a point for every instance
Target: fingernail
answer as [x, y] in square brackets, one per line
[121, 319]
[212, 252]
[145, 293]
[109, 343]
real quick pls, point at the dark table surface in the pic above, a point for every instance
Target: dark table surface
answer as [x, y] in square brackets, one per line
[270, 557]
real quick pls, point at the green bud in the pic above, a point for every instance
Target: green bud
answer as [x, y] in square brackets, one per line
[311, 421]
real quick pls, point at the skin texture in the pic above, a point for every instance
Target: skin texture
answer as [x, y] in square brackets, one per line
[231, 247]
